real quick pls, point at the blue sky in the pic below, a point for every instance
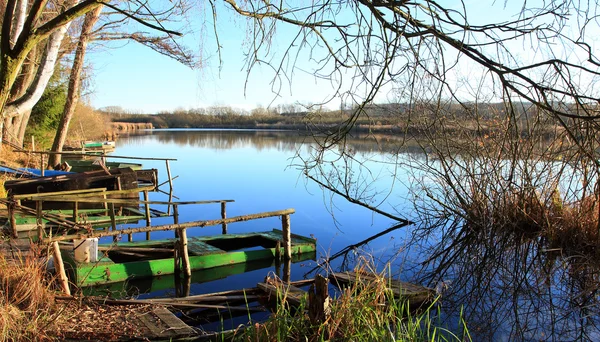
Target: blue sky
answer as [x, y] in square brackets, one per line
[138, 79]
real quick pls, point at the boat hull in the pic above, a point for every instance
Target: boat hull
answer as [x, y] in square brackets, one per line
[204, 253]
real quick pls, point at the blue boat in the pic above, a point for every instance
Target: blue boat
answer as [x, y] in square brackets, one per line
[25, 172]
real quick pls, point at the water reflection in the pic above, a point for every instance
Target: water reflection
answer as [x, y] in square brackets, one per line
[516, 287]
[509, 285]
[285, 141]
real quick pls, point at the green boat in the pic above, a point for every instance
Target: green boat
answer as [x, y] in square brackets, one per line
[136, 287]
[144, 259]
[93, 165]
[26, 225]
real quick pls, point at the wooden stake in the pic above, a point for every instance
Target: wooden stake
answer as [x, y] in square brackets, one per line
[176, 219]
[113, 221]
[287, 236]
[38, 214]
[318, 301]
[185, 258]
[147, 206]
[287, 271]
[224, 216]
[60, 269]
[170, 186]
[11, 216]
[42, 165]
[176, 258]
[75, 211]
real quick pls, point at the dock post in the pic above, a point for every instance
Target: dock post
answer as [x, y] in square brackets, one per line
[105, 204]
[11, 215]
[287, 271]
[319, 308]
[176, 219]
[170, 186]
[278, 258]
[42, 164]
[287, 237]
[60, 268]
[75, 211]
[147, 206]
[224, 216]
[38, 215]
[185, 258]
[176, 257]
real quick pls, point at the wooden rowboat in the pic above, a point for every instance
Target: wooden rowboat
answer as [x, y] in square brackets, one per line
[93, 165]
[143, 259]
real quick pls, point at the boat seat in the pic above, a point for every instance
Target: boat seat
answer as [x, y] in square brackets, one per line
[197, 247]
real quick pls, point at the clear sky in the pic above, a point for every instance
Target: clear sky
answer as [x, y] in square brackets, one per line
[138, 79]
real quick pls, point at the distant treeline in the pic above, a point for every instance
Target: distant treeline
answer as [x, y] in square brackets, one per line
[380, 118]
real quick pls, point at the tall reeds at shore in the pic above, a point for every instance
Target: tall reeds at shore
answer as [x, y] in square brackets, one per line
[361, 312]
[26, 299]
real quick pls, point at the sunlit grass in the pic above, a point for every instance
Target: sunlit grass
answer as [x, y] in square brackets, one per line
[368, 312]
[26, 300]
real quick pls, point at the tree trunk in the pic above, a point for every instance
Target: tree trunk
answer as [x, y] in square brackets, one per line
[74, 85]
[23, 126]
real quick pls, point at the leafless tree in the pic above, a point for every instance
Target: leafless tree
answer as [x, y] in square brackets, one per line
[42, 25]
[506, 113]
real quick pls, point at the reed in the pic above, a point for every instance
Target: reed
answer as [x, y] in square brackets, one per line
[26, 299]
[368, 312]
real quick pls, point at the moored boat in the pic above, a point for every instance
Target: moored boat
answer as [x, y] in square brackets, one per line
[144, 259]
[93, 165]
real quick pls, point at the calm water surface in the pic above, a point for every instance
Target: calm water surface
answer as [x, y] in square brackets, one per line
[522, 292]
[256, 169]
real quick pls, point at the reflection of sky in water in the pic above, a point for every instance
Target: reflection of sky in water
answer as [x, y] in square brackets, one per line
[254, 170]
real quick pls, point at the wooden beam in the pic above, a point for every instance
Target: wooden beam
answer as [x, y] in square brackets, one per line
[224, 216]
[198, 224]
[38, 216]
[185, 258]
[287, 237]
[10, 205]
[148, 221]
[60, 269]
[43, 195]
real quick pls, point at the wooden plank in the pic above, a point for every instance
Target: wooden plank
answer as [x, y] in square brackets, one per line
[93, 191]
[204, 223]
[399, 288]
[176, 327]
[290, 293]
[149, 321]
[197, 247]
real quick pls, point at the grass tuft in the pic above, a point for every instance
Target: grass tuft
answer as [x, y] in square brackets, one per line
[26, 300]
[367, 312]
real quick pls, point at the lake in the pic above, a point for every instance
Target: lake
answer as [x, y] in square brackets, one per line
[507, 297]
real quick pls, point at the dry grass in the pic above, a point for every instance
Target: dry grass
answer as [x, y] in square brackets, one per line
[26, 300]
[88, 124]
[572, 227]
[366, 312]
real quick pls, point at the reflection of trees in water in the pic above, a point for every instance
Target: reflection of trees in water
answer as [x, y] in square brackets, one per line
[518, 287]
[286, 141]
